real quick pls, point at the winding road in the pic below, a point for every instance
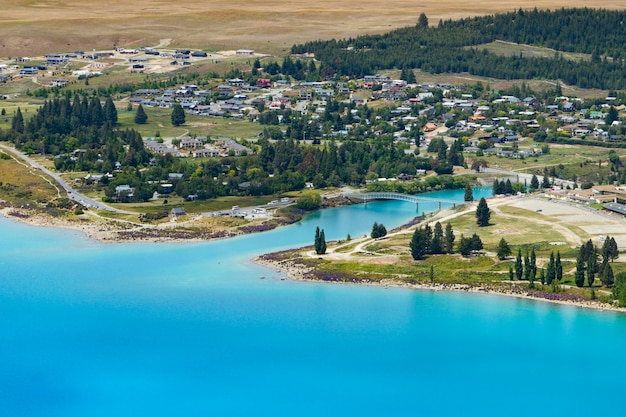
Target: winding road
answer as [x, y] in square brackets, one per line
[72, 194]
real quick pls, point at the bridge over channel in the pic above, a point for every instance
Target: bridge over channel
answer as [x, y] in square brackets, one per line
[399, 196]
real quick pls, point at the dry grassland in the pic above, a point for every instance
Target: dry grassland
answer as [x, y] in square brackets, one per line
[30, 27]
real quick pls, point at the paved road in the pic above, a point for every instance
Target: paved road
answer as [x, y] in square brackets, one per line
[71, 193]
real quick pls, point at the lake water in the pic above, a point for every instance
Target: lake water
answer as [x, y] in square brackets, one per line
[189, 329]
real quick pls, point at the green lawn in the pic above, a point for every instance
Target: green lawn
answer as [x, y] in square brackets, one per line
[159, 121]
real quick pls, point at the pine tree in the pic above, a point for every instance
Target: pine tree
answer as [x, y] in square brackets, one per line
[417, 244]
[374, 232]
[422, 21]
[503, 249]
[449, 239]
[178, 115]
[496, 187]
[508, 187]
[110, 112]
[96, 114]
[428, 238]
[436, 245]
[551, 272]
[579, 275]
[534, 183]
[464, 246]
[511, 274]
[558, 266]
[542, 276]
[378, 230]
[589, 249]
[527, 267]
[410, 79]
[518, 265]
[482, 213]
[322, 243]
[469, 193]
[619, 289]
[140, 116]
[317, 240]
[606, 275]
[533, 261]
[476, 243]
[592, 268]
[614, 252]
[17, 123]
[609, 249]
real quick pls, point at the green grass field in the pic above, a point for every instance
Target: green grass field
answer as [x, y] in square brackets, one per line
[159, 121]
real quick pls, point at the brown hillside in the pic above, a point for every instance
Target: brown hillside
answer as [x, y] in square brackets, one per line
[30, 27]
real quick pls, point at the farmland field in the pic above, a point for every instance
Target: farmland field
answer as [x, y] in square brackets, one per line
[34, 27]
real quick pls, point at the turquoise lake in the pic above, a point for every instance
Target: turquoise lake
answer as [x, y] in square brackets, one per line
[190, 329]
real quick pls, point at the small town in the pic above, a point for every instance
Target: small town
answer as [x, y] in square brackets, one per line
[473, 118]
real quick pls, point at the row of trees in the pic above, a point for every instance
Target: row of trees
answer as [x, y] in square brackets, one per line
[528, 269]
[587, 265]
[427, 241]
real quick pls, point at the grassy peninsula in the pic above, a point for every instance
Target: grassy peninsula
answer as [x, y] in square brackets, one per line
[534, 223]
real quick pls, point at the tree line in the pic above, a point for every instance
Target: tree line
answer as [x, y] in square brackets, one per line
[588, 263]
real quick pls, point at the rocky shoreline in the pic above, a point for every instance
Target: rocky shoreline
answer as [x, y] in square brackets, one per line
[111, 231]
[299, 271]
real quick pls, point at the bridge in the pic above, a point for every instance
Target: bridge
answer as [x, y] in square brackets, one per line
[398, 196]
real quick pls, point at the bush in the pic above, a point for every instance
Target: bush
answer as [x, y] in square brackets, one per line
[309, 201]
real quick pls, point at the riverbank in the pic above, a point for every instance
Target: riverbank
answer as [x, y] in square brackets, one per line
[300, 271]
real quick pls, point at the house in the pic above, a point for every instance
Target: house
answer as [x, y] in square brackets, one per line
[306, 95]
[231, 145]
[124, 193]
[263, 82]
[166, 188]
[429, 127]
[569, 107]
[177, 212]
[205, 153]
[189, 143]
[237, 82]
[57, 82]
[29, 71]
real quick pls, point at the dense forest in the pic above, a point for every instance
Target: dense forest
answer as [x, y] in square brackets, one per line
[455, 46]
